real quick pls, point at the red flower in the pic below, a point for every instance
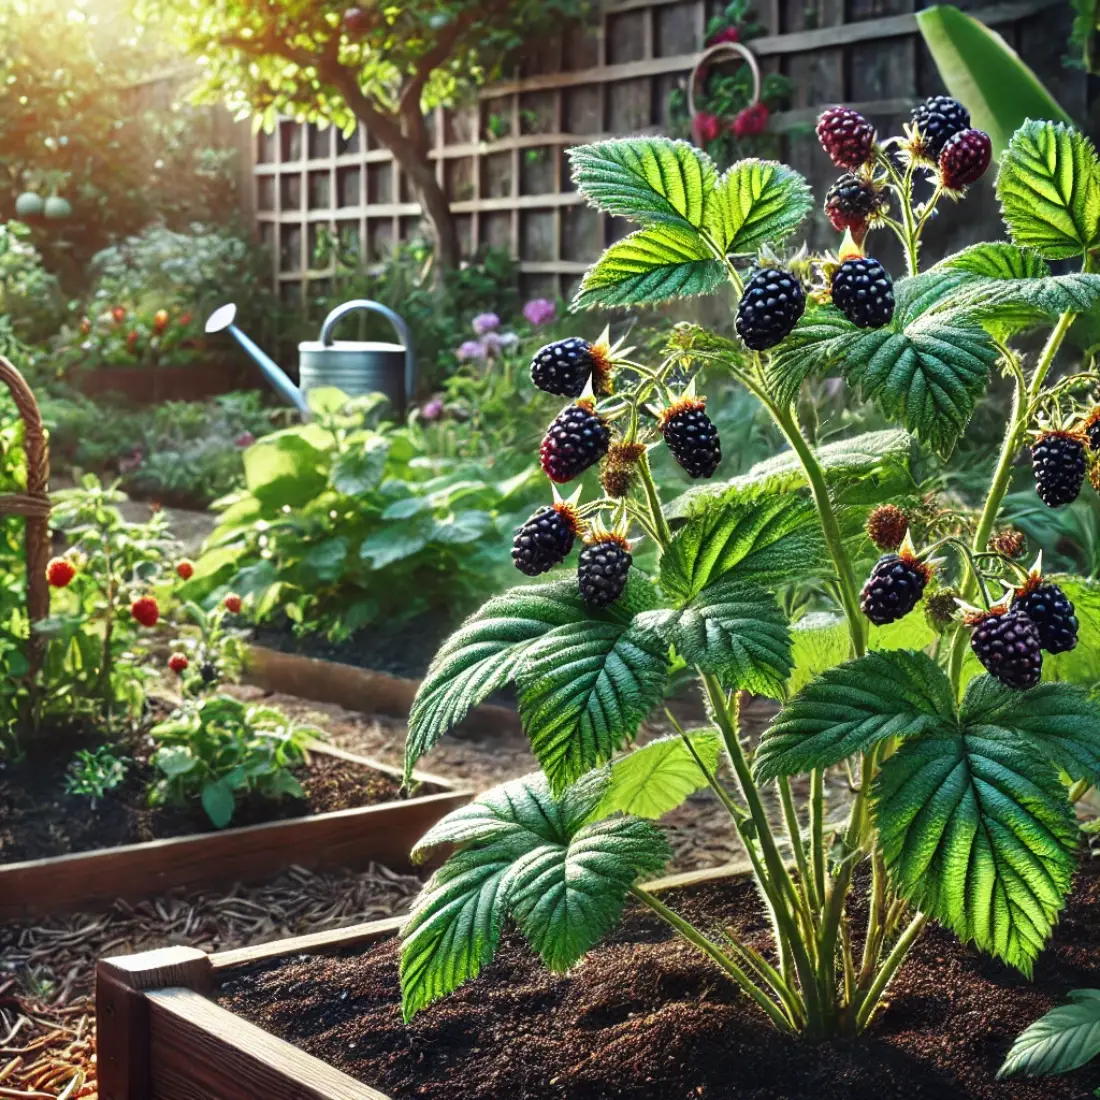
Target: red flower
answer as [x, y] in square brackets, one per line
[184, 570]
[706, 127]
[751, 121]
[160, 320]
[59, 572]
[145, 610]
[233, 603]
[119, 314]
[178, 663]
[726, 34]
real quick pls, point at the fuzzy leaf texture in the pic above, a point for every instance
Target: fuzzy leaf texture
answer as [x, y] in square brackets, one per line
[530, 856]
[1049, 187]
[584, 690]
[651, 266]
[1065, 1039]
[658, 777]
[733, 629]
[850, 708]
[482, 656]
[756, 202]
[652, 181]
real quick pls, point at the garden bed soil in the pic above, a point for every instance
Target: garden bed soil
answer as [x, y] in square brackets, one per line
[646, 1018]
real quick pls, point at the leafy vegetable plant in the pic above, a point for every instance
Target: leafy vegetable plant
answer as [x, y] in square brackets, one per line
[962, 777]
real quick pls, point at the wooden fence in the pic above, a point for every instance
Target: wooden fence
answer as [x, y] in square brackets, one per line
[502, 159]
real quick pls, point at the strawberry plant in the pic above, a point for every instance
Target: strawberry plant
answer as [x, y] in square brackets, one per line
[962, 776]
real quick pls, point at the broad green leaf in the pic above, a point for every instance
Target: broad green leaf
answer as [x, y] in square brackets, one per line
[584, 690]
[651, 266]
[658, 777]
[756, 202]
[651, 180]
[482, 656]
[977, 832]
[1049, 187]
[730, 628]
[852, 707]
[1065, 1039]
[760, 534]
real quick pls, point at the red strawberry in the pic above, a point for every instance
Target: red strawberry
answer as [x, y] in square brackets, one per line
[184, 570]
[146, 610]
[178, 663]
[59, 572]
[232, 603]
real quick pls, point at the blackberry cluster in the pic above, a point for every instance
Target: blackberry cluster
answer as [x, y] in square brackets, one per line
[864, 292]
[544, 540]
[692, 437]
[770, 307]
[1058, 462]
[1051, 610]
[846, 136]
[939, 118]
[576, 439]
[851, 203]
[893, 589]
[602, 570]
[564, 367]
[964, 159]
[1008, 645]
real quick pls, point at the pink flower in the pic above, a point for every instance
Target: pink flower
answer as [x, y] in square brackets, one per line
[471, 349]
[706, 127]
[486, 322]
[751, 121]
[540, 311]
[245, 439]
[431, 410]
[726, 34]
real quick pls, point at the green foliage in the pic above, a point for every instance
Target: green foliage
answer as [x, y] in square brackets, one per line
[218, 749]
[1066, 1038]
[94, 772]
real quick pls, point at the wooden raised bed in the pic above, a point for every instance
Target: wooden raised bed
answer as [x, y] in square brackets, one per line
[161, 1037]
[351, 838]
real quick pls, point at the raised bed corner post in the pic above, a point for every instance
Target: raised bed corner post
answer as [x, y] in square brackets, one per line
[33, 505]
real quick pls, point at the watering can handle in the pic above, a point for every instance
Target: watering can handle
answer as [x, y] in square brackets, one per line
[398, 323]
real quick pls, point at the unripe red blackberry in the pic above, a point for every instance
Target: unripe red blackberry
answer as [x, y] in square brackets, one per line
[602, 570]
[886, 526]
[619, 470]
[894, 587]
[576, 439]
[145, 610]
[59, 572]
[178, 663]
[545, 539]
[864, 292]
[564, 367]
[1058, 462]
[852, 203]
[846, 136]
[770, 307]
[964, 159]
[1052, 612]
[939, 118]
[1007, 644]
[691, 436]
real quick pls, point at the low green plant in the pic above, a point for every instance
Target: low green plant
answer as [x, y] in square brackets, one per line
[217, 749]
[95, 772]
[963, 766]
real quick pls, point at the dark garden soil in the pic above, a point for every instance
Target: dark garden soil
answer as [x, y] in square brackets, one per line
[646, 1018]
[38, 819]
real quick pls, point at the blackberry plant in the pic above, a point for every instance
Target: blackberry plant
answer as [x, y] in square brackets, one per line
[907, 708]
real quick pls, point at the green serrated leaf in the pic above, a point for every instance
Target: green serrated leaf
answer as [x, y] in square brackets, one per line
[850, 708]
[756, 202]
[733, 629]
[977, 832]
[1049, 187]
[651, 266]
[584, 690]
[652, 181]
[1065, 1039]
[656, 778]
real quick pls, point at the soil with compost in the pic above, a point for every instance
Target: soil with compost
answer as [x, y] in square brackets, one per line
[38, 819]
[645, 1017]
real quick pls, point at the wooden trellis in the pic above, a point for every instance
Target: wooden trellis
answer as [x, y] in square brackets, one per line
[502, 159]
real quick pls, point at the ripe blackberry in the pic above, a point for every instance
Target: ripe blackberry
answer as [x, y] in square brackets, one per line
[864, 292]
[886, 526]
[939, 118]
[894, 588]
[603, 569]
[770, 307]
[1058, 461]
[846, 136]
[691, 436]
[545, 539]
[1051, 610]
[1007, 644]
[620, 468]
[577, 438]
[964, 159]
[851, 204]
[564, 367]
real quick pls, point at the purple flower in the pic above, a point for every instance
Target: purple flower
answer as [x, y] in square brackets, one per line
[431, 410]
[471, 349]
[245, 439]
[540, 311]
[485, 322]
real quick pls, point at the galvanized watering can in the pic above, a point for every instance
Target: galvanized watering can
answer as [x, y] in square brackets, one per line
[354, 366]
